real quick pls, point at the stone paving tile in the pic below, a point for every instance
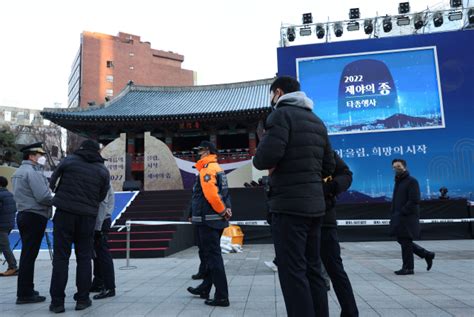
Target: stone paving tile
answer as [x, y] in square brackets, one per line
[157, 287]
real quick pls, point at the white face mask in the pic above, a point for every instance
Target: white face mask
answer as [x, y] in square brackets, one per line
[42, 160]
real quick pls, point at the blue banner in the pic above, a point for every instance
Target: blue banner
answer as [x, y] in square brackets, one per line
[409, 97]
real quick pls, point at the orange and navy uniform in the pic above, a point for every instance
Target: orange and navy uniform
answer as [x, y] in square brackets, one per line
[210, 194]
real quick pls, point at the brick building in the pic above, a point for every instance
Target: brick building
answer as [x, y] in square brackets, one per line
[104, 65]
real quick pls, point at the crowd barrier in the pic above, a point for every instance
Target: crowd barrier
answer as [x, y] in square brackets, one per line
[359, 222]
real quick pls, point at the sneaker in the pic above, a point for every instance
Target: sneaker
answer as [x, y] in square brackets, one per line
[271, 266]
[30, 299]
[56, 308]
[81, 305]
[10, 272]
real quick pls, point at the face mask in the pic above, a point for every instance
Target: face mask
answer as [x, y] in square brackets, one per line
[398, 171]
[272, 96]
[42, 160]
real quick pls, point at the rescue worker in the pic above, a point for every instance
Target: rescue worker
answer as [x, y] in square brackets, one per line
[33, 201]
[211, 210]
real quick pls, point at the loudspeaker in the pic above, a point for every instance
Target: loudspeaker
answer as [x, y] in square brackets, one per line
[131, 186]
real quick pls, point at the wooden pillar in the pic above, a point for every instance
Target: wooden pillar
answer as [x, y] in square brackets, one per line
[252, 142]
[131, 143]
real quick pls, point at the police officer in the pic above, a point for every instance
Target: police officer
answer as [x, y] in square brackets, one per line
[337, 183]
[81, 182]
[211, 210]
[33, 199]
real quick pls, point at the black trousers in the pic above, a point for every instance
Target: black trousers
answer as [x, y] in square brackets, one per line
[202, 265]
[104, 275]
[297, 248]
[408, 248]
[68, 229]
[210, 243]
[5, 248]
[31, 227]
[331, 257]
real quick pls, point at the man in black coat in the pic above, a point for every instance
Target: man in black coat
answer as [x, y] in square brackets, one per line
[405, 218]
[296, 151]
[337, 183]
[81, 182]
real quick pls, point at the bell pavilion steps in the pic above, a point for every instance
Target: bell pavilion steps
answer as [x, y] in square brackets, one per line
[151, 241]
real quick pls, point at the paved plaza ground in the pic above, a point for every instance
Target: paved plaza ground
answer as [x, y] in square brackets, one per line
[157, 287]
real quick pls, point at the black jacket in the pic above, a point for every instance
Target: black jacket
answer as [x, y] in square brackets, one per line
[7, 210]
[405, 213]
[82, 183]
[297, 147]
[340, 181]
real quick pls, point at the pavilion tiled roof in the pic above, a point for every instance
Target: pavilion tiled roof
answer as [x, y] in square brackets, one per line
[174, 103]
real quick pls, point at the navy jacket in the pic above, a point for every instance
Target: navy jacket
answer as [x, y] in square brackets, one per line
[340, 181]
[405, 213]
[81, 182]
[7, 210]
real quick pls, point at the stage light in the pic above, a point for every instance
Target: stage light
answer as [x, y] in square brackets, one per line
[419, 22]
[353, 26]
[470, 16]
[290, 34]
[354, 14]
[368, 26]
[455, 16]
[403, 7]
[387, 24]
[455, 3]
[306, 31]
[438, 19]
[307, 18]
[338, 29]
[403, 20]
[320, 31]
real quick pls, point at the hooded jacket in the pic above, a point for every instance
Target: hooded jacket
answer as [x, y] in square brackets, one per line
[210, 196]
[296, 148]
[81, 182]
[30, 190]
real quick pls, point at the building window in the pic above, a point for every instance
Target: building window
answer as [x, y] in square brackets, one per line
[110, 64]
[131, 54]
[109, 78]
[109, 92]
[132, 68]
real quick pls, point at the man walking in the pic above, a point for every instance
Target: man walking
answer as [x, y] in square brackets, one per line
[7, 223]
[81, 182]
[211, 210]
[33, 201]
[405, 218]
[296, 151]
[337, 183]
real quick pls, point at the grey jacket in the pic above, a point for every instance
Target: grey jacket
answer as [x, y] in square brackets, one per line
[106, 208]
[31, 190]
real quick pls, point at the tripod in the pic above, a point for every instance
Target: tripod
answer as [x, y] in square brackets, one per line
[48, 242]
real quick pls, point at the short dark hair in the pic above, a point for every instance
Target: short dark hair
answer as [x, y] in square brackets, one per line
[3, 182]
[26, 155]
[404, 163]
[285, 83]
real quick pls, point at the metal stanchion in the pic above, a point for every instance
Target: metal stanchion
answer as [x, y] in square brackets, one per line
[128, 225]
